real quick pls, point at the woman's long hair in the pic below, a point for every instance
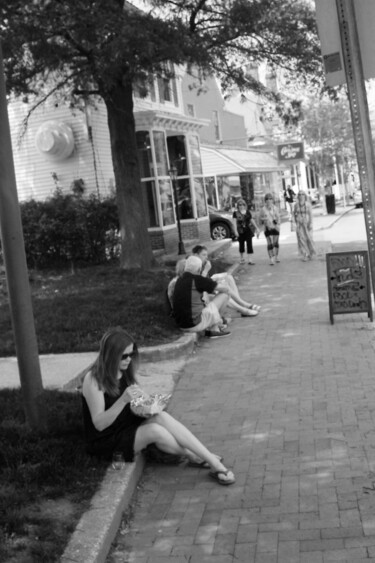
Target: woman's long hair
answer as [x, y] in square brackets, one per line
[106, 366]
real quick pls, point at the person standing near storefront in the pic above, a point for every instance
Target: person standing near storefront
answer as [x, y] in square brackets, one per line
[290, 195]
[303, 217]
[270, 217]
[246, 229]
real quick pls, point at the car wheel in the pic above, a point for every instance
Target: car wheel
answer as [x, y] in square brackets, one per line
[220, 231]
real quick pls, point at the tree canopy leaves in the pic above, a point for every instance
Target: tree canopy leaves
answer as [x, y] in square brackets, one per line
[84, 48]
[90, 45]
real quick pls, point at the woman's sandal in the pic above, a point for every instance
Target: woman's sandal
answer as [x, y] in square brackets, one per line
[254, 307]
[202, 464]
[250, 313]
[216, 475]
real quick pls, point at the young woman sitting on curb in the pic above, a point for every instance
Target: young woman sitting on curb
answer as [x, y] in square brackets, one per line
[110, 424]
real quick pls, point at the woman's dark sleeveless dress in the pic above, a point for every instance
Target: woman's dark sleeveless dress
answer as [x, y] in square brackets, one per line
[119, 436]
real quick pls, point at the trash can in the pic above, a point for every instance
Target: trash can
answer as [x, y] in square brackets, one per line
[331, 203]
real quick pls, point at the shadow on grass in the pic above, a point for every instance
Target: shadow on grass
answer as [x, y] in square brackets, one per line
[46, 479]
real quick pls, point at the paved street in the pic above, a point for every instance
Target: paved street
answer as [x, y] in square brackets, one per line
[289, 401]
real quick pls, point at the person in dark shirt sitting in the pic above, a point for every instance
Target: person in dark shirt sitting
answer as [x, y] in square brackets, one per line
[190, 312]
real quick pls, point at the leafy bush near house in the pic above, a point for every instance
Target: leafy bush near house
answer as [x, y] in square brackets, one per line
[68, 229]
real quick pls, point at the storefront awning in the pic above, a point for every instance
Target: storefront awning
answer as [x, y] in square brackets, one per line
[221, 161]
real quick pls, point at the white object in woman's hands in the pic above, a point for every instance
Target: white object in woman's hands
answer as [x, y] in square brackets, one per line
[148, 405]
[132, 392]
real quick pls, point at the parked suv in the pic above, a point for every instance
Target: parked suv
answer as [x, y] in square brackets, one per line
[314, 195]
[221, 224]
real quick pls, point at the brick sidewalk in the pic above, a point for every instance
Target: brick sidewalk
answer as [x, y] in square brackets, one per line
[289, 401]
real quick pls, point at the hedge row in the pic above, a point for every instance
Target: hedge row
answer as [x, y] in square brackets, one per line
[69, 230]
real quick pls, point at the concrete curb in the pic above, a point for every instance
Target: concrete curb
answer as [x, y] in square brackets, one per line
[183, 345]
[336, 219]
[98, 526]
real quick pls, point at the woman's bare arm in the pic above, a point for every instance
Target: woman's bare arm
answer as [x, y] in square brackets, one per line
[100, 417]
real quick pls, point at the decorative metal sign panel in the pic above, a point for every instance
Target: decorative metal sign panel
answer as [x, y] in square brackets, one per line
[349, 289]
[287, 152]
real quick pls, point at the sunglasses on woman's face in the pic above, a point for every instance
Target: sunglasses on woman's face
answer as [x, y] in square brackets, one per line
[126, 356]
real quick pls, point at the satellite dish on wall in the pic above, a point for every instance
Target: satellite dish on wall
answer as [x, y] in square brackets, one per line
[55, 140]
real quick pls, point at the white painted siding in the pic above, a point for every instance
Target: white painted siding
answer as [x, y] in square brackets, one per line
[90, 161]
[34, 170]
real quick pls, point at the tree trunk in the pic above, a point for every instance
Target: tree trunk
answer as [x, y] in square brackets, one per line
[17, 276]
[136, 249]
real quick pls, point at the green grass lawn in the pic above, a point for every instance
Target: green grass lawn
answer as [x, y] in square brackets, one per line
[72, 311]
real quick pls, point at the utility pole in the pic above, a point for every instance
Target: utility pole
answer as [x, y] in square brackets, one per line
[17, 274]
[360, 118]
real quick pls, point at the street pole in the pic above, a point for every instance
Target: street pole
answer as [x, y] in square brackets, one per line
[16, 272]
[360, 119]
[173, 175]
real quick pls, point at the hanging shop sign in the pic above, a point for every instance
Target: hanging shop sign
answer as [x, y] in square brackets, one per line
[349, 289]
[290, 153]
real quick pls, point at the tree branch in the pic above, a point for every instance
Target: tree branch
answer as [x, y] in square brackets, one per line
[25, 121]
[194, 13]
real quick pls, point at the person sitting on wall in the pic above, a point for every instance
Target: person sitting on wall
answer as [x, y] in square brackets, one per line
[190, 312]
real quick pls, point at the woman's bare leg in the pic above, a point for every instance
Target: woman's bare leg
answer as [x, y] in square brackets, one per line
[221, 302]
[270, 248]
[275, 240]
[235, 294]
[173, 437]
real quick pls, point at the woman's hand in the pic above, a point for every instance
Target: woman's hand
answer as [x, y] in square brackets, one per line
[130, 393]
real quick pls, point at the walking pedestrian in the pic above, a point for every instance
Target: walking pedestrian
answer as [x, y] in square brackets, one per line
[270, 217]
[111, 425]
[290, 195]
[302, 215]
[246, 229]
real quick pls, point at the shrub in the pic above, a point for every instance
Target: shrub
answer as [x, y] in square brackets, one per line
[69, 229]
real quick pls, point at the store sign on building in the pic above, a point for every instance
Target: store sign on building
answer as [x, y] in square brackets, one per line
[289, 152]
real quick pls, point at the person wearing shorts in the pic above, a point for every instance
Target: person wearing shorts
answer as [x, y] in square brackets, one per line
[269, 217]
[190, 311]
